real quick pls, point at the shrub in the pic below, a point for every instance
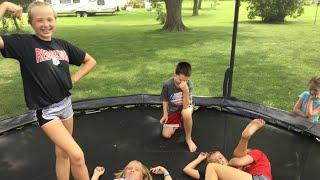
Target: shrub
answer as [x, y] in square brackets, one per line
[274, 10]
[136, 3]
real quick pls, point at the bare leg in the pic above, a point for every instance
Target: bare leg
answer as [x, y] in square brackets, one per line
[61, 137]
[216, 171]
[62, 157]
[187, 123]
[167, 132]
[251, 128]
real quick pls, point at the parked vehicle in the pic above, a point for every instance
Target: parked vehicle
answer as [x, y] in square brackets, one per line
[83, 8]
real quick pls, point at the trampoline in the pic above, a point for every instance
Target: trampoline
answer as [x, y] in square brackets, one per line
[115, 130]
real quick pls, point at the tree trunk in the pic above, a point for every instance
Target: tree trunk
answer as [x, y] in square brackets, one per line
[199, 4]
[174, 18]
[195, 8]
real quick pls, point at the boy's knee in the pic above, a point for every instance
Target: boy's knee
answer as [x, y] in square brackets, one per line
[166, 135]
[186, 114]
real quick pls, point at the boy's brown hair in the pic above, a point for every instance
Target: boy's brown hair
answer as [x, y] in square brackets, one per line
[184, 68]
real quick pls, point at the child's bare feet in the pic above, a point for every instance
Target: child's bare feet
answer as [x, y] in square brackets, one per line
[252, 127]
[98, 171]
[192, 146]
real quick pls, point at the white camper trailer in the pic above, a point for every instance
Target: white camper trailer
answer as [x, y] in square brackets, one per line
[83, 8]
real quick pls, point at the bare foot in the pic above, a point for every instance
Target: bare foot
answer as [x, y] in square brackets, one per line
[192, 145]
[252, 127]
[98, 171]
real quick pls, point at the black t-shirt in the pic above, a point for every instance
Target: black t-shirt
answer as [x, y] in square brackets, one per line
[44, 67]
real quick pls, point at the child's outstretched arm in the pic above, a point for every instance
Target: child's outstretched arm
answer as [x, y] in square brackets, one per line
[88, 64]
[14, 9]
[161, 170]
[164, 118]
[98, 171]
[297, 107]
[190, 168]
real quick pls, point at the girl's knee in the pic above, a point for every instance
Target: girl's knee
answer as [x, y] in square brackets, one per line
[77, 157]
[61, 154]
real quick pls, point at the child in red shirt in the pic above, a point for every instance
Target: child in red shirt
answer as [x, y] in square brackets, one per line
[246, 164]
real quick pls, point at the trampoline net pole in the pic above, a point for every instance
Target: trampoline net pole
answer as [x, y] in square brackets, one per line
[233, 46]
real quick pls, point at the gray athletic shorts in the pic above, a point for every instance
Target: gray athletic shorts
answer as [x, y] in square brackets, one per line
[61, 110]
[259, 177]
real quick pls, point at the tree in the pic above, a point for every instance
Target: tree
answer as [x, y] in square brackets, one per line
[274, 10]
[199, 4]
[195, 8]
[174, 17]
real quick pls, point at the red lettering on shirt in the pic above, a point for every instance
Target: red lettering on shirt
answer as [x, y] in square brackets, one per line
[47, 55]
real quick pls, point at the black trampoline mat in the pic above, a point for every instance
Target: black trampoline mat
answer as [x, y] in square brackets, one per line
[114, 137]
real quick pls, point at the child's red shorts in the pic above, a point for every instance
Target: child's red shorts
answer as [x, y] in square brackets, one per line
[175, 119]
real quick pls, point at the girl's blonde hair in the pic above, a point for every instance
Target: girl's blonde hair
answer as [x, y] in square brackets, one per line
[36, 4]
[314, 82]
[145, 171]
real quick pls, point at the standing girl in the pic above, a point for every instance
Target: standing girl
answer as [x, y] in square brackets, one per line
[44, 63]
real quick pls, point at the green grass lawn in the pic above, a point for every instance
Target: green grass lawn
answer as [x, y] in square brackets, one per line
[273, 62]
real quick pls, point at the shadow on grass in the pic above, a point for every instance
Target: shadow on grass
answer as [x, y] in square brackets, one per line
[202, 9]
[259, 22]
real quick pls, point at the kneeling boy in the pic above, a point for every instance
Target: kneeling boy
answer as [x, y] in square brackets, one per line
[177, 104]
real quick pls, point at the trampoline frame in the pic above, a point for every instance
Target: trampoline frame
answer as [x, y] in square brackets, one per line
[274, 116]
